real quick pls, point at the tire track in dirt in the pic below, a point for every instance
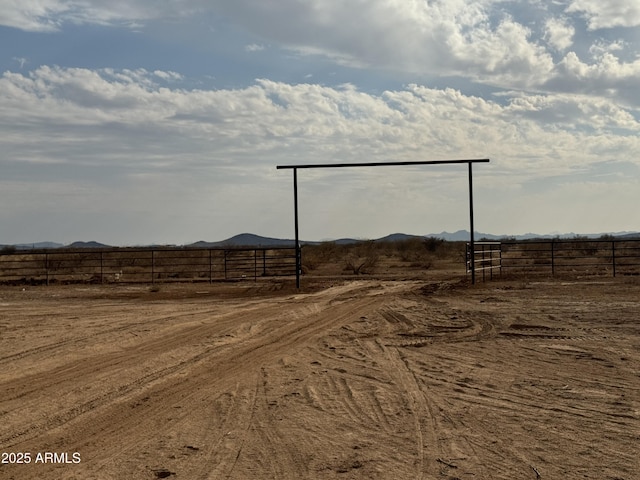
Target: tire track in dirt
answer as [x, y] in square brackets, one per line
[40, 387]
[112, 421]
[264, 447]
[144, 346]
[506, 421]
[456, 329]
[437, 449]
[498, 427]
[44, 384]
[74, 313]
[424, 421]
[465, 449]
[50, 349]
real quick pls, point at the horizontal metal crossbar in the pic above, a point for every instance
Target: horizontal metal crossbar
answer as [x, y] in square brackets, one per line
[384, 164]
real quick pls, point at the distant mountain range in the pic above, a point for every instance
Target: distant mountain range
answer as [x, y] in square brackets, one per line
[252, 240]
[50, 245]
[463, 235]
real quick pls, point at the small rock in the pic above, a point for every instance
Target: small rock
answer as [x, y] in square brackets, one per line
[163, 473]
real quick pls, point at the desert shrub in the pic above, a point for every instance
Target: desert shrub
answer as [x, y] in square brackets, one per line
[432, 244]
[362, 258]
[315, 255]
[360, 265]
[409, 250]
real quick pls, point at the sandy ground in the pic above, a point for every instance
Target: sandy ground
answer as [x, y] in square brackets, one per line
[359, 379]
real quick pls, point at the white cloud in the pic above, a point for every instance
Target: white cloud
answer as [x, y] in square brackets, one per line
[607, 13]
[576, 112]
[125, 117]
[600, 47]
[31, 15]
[447, 37]
[51, 15]
[559, 33]
[254, 47]
[478, 41]
[608, 77]
[168, 76]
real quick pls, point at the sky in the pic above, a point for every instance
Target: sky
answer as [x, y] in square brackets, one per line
[137, 122]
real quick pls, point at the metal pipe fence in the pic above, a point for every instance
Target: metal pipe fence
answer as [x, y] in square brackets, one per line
[145, 265]
[571, 256]
[486, 257]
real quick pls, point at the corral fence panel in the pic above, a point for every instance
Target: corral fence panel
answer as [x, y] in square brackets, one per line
[486, 258]
[145, 265]
[557, 256]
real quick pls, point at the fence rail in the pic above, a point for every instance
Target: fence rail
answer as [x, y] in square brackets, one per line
[145, 265]
[598, 256]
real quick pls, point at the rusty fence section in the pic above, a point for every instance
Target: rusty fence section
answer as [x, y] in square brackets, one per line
[556, 257]
[145, 265]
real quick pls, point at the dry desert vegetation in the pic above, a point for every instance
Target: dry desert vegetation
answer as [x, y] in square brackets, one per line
[351, 377]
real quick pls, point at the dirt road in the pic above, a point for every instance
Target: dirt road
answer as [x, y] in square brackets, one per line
[365, 379]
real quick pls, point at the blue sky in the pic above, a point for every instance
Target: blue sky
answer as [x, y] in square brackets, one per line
[162, 122]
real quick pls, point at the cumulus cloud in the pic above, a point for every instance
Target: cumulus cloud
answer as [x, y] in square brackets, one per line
[576, 112]
[600, 47]
[559, 33]
[608, 77]
[478, 41]
[278, 120]
[447, 37]
[607, 13]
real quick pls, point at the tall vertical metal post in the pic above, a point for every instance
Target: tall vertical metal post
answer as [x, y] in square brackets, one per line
[295, 214]
[472, 246]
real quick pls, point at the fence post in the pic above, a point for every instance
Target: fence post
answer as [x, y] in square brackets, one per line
[613, 256]
[466, 252]
[152, 266]
[483, 264]
[491, 261]
[264, 263]
[210, 268]
[553, 264]
[46, 267]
